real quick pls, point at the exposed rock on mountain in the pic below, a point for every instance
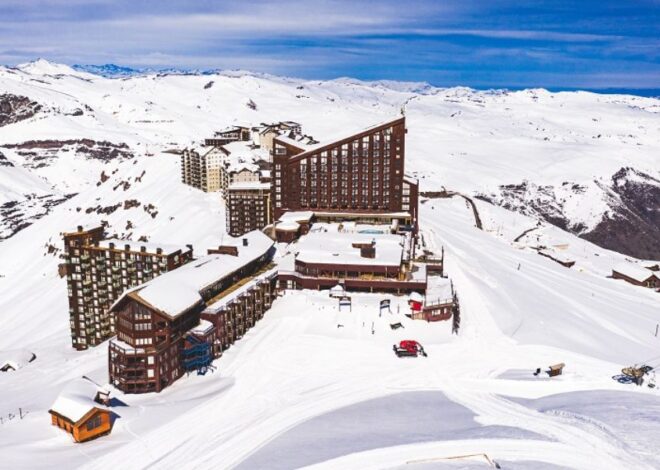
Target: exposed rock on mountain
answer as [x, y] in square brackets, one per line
[633, 225]
[629, 222]
[16, 108]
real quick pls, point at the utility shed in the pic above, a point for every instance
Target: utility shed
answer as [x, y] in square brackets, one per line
[637, 275]
[78, 411]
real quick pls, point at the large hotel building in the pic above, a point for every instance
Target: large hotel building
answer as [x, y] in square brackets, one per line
[362, 174]
[98, 271]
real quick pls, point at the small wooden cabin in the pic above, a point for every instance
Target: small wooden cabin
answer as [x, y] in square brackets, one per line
[79, 412]
[636, 275]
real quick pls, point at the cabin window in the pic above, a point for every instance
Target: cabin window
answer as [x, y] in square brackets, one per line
[94, 422]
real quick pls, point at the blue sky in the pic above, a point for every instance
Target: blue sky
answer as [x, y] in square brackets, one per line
[552, 44]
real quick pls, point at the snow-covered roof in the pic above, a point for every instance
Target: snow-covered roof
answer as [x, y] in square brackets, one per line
[237, 167]
[297, 216]
[179, 290]
[137, 246]
[230, 129]
[287, 225]
[245, 185]
[438, 290]
[358, 215]
[302, 145]
[561, 257]
[77, 399]
[634, 271]
[416, 297]
[218, 304]
[16, 358]
[318, 146]
[337, 248]
[204, 327]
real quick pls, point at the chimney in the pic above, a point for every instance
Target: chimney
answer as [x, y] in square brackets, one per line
[80, 228]
[189, 247]
[368, 251]
[159, 251]
[143, 249]
[127, 247]
[112, 246]
[245, 242]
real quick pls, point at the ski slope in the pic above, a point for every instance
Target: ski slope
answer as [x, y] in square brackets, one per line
[296, 365]
[297, 388]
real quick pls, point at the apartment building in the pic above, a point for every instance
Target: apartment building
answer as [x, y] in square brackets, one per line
[182, 320]
[99, 270]
[248, 207]
[202, 169]
[228, 135]
[359, 174]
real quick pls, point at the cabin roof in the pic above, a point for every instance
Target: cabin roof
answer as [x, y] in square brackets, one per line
[634, 271]
[77, 399]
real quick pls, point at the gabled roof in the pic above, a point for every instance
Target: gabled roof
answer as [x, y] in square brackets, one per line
[634, 271]
[176, 292]
[77, 400]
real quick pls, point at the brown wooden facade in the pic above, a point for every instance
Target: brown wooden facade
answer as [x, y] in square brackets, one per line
[146, 355]
[361, 173]
[98, 275]
[652, 281]
[233, 318]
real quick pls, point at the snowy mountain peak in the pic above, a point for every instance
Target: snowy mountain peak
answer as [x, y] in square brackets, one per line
[45, 67]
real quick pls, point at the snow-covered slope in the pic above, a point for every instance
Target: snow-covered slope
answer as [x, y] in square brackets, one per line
[558, 156]
[289, 392]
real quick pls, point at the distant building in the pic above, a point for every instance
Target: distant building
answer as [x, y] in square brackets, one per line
[359, 174]
[265, 133]
[80, 409]
[98, 272]
[248, 207]
[637, 275]
[242, 173]
[228, 135]
[203, 170]
[182, 320]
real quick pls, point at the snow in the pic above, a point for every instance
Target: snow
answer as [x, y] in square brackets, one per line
[557, 255]
[633, 271]
[288, 226]
[438, 290]
[76, 400]
[340, 136]
[519, 310]
[179, 290]
[245, 185]
[16, 359]
[204, 327]
[216, 305]
[297, 216]
[334, 247]
[137, 246]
